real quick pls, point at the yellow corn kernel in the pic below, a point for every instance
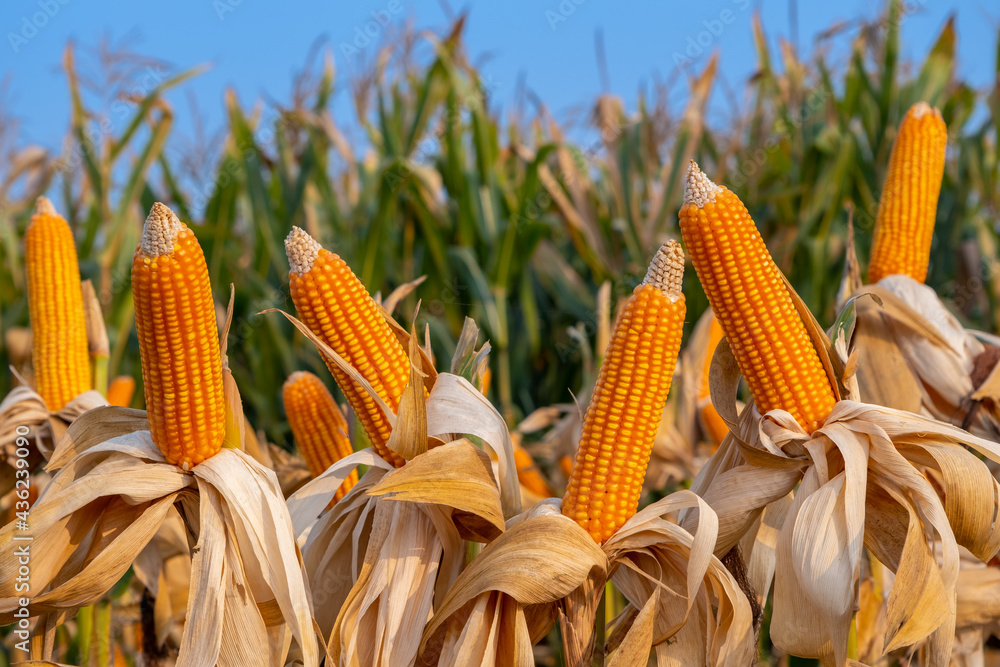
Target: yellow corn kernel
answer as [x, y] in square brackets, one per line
[905, 225]
[334, 304]
[627, 404]
[59, 348]
[712, 423]
[178, 341]
[318, 425]
[120, 391]
[747, 295]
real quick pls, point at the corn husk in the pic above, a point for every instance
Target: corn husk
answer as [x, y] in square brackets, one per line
[863, 481]
[164, 568]
[112, 492]
[24, 408]
[683, 603]
[918, 357]
[381, 556]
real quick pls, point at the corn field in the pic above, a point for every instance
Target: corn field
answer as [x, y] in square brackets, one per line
[715, 388]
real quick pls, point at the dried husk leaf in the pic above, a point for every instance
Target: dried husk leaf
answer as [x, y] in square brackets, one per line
[89, 525]
[400, 293]
[455, 475]
[409, 435]
[384, 614]
[884, 375]
[850, 280]
[701, 608]
[455, 407]
[256, 520]
[634, 648]
[939, 352]
[540, 559]
[108, 500]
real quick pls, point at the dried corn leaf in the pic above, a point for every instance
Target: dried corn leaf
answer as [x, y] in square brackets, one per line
[384, 614]
[540, 559]
[455, 475]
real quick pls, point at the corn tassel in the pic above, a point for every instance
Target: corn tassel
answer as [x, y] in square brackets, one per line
[178, 341]
[905, 225]
[627, 404]
[120, 391]
[318, 425]
[334, 304]
[747, 295]
[59, 347]
[713, 424]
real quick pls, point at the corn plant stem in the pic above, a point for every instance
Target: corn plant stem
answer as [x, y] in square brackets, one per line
[100, 373]
[85, 623]
[852, 639]
[597, 659]
[121, 340]
[100, 643]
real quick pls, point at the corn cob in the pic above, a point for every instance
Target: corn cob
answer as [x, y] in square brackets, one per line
[711, 420]
[59, 348]
[178, 341]
[334, 304]
[747, 295]
[627, 404]
[527, 470]
[318, 426]
[905, 225]
[121, 390]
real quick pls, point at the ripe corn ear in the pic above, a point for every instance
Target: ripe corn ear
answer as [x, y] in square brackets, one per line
[527, 471]
[318, 425]
[905, 225]
[178, 341]
[627, 404]
[747, 295]
[715, 427]
[334, 304]
[120, 391]
[59, 349]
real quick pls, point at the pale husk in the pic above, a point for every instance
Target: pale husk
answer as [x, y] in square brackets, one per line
[381, 555]
[862, 481]
[24, 408]
[690, 608]
[111, 494]
[918, 357]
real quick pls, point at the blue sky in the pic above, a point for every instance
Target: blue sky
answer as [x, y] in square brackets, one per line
[254, 46]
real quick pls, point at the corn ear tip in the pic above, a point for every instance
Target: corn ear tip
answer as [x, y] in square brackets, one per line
[921, 109]
[699, 188]
[159, 233]
[294, 378]
[666, 270]
[301, 250]
[43, 206]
